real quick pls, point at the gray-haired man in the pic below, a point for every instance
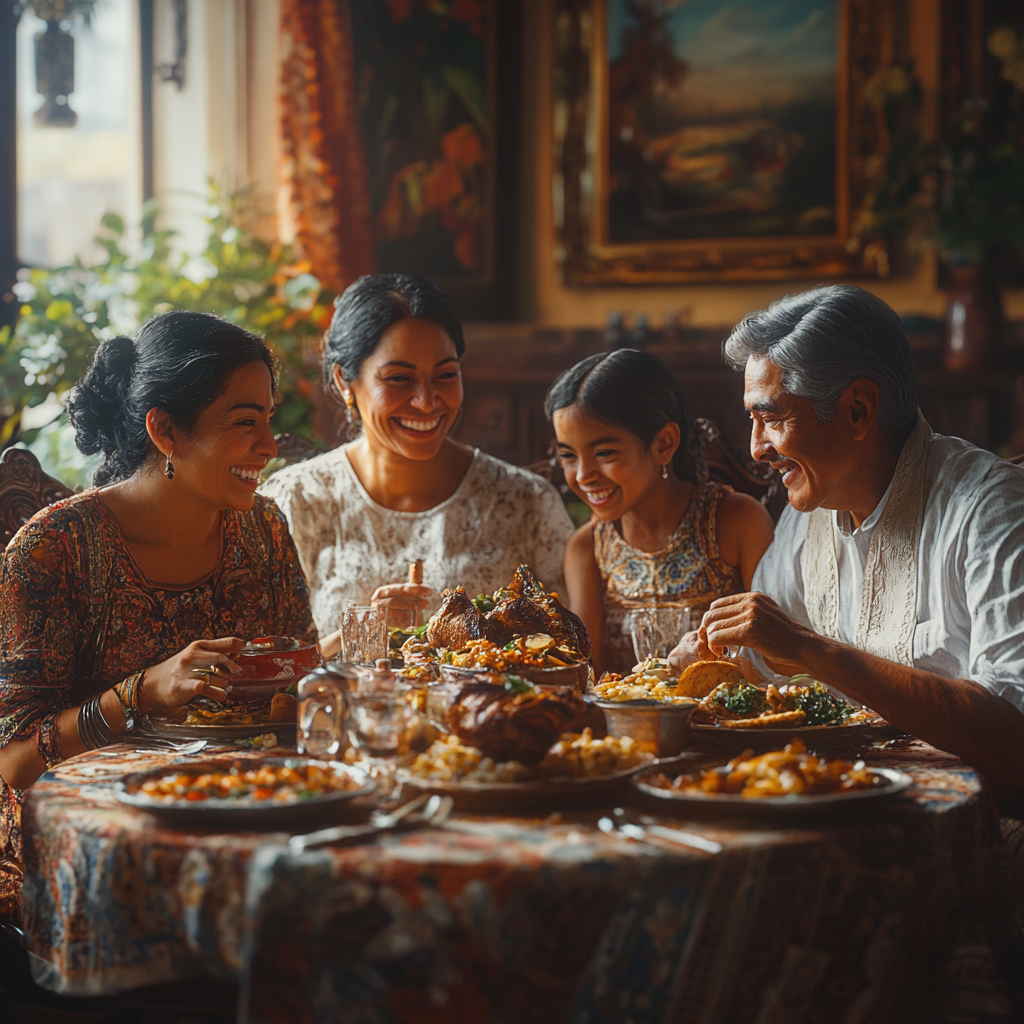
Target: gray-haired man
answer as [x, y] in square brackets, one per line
[897, 572]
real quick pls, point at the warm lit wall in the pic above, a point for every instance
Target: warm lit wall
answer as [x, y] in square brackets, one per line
[225, 125]
[546, 299]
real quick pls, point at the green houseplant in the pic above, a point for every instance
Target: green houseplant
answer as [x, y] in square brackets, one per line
[65, 313]
[962, 194]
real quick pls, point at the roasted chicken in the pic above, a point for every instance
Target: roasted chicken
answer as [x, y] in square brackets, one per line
[523, 608]
[509, 726]
[457, 622]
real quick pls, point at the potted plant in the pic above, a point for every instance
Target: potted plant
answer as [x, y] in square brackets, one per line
[963, 194]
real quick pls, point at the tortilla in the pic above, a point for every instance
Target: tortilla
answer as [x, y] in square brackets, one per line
[767, 720]
[700, 678]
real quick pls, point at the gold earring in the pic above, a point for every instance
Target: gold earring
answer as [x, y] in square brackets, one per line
[348, 399]
[169, 467]
[664, 472]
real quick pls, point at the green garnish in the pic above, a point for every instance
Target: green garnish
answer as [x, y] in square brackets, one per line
[740, 698]
[820, 705]
[484, 604]
[516, 684]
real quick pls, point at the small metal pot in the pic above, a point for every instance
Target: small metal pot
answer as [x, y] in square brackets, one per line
[662, 727]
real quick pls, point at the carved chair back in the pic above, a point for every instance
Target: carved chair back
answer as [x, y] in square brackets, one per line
[24, 490]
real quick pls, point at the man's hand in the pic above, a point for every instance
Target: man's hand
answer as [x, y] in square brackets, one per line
[755, 621]
[689, 649]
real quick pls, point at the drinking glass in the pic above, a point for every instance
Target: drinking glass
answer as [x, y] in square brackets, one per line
[378, 718]
[363, 634]
[321, 714]
[657, 630]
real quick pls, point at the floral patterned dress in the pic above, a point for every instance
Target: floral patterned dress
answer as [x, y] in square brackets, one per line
[77, 616]
[687, 572]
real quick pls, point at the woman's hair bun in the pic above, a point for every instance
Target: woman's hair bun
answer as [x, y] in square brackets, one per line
[95, 405]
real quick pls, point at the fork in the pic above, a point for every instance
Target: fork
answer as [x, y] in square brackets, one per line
[435, 810]
[621, 823]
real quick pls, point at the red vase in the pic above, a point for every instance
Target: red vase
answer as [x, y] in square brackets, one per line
[973, 317]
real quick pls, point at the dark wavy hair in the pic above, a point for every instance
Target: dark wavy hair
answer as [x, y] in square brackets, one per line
[179, 362]
[369, 306]
[636, 391]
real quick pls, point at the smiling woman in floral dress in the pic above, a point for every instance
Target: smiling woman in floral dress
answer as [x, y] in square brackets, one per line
[404, 489]
[134, 595]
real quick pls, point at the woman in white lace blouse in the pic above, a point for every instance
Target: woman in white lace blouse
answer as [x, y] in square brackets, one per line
[403, 489]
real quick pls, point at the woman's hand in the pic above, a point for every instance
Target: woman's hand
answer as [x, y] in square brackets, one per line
[175, 681]
[330, 646]
[402, 595]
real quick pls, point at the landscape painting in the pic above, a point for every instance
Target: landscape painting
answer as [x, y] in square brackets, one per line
[721, 119]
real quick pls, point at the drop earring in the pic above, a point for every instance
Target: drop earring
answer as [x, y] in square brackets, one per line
[169, 467]
[664, 472]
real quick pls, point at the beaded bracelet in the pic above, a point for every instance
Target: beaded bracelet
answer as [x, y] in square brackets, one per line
[48, 741]
[127, 692]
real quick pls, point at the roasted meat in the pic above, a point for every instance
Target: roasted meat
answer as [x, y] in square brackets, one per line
[456, 622]
[525, 607]
[509, 726]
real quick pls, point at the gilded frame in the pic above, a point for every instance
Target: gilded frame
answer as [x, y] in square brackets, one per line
[866, 43]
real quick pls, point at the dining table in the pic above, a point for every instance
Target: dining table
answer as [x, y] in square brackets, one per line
[543, 914]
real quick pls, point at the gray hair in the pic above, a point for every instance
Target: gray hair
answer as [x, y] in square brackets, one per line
[823, 340]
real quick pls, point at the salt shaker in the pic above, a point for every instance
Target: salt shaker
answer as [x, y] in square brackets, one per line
[322, 708]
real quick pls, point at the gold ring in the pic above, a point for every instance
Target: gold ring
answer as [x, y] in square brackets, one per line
[213, 670]
[204, 672]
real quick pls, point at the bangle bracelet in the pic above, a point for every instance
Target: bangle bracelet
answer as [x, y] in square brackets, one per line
[93, 733]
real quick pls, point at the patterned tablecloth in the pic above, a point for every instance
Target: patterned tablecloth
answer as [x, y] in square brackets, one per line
[879, 916]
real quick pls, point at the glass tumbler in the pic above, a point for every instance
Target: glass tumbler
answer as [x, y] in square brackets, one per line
[321, 702]
[657, 630]
[363, 634]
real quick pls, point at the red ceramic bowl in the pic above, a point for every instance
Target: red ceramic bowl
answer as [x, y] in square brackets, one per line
[276, 663]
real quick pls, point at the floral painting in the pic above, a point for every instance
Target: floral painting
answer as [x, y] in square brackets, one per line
[721, 118]
[421, 80]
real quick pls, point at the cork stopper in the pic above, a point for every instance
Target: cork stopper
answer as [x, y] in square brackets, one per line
[416, 571]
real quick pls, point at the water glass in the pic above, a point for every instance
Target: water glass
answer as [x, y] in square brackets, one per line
[363, 634]
[657, 630]
[321, 699]
[377, 723]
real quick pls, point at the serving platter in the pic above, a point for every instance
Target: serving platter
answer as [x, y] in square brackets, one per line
[891, 783]
[530, 793]
[237, 813]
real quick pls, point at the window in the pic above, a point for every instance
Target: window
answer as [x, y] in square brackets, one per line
[69, 177]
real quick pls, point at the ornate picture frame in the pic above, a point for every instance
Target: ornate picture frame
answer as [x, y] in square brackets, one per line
[865, 33]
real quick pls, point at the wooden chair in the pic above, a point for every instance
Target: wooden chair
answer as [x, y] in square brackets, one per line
[294, 448]
[725, 465]
[24, 490]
